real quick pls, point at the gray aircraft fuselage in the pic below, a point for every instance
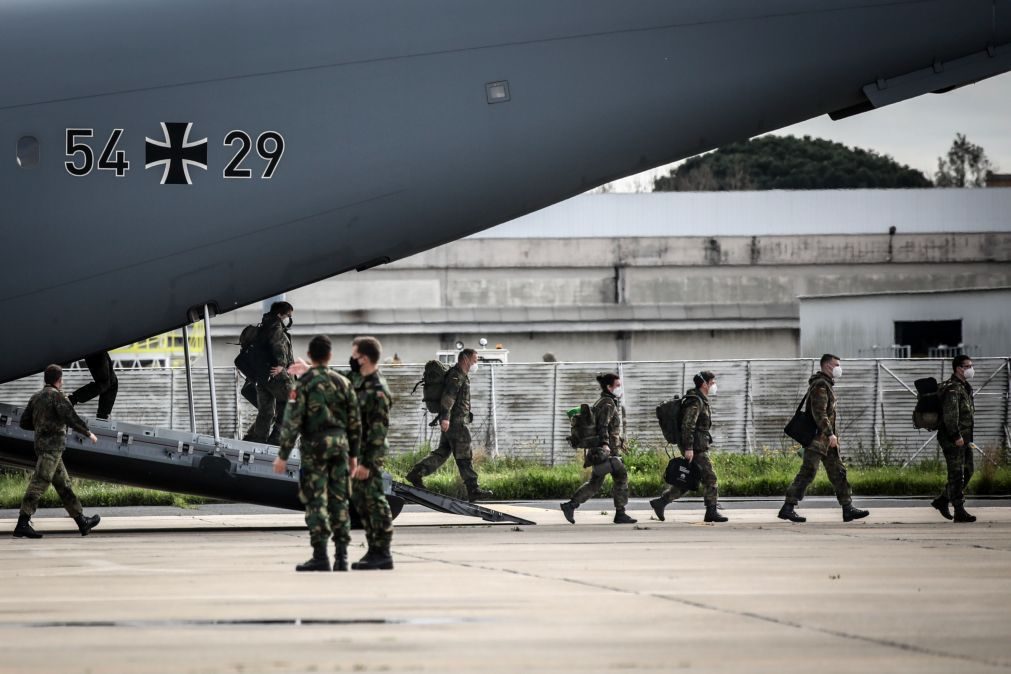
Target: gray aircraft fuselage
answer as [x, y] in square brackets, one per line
[157, 156]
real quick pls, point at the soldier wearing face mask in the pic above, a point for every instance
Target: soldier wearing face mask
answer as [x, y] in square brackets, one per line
[604, 459]
[273, 382]
[696, 422]
[824, 449]
[955, 437]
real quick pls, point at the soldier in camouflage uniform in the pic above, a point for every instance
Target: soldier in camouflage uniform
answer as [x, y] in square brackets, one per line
[49, 413]
[454, 420]
[824, 449]
[605, 458]
[367, 497]
[274, 383]
[323, 409]
[954, 434]
[696, 423]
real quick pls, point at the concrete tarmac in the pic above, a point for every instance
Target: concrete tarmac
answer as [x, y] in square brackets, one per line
[213, 590]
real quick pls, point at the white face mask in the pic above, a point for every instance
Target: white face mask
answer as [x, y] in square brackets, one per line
[712, 389]
[837, 371]
[618, 392]
[475, 367]
[969, 373]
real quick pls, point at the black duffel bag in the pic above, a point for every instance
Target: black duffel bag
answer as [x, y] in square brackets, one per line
[682, 474]
[802, 427]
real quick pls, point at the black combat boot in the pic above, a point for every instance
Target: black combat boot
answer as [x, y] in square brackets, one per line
[24, 528]
[713, 515]
[941, 503]
[416, 478]
[569, 510]
[621, 517]
[788, 513]
[849, 513]
[658, 505]
[961, 515]
[475, 493]
[340, 561]
[319, 560]
[374, 560]
[86, 524]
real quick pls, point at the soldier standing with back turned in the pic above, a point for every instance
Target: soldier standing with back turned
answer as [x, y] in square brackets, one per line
[49, 413]
[454, 420]
[323, 409]
[954, 434]
[374, 401]
[824, 449]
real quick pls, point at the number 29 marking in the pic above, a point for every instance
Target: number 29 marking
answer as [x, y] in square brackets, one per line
[269, 145]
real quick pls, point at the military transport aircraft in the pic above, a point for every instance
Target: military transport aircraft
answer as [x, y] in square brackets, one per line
[158, 156]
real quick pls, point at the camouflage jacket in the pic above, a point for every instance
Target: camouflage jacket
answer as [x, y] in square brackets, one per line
[696, 421]
[607, 413]
[455, 404]
[821, 407]
[274, 336]
[957, 410]
[374, 402]
[51, 413]
[321, 405]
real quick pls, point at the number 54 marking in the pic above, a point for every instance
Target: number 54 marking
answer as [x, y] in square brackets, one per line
[119, 165]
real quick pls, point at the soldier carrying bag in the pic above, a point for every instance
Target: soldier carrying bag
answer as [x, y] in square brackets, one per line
[682, 473]
[927, 413]
[802, 427]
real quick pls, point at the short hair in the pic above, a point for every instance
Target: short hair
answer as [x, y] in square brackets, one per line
[369, 347]
[278, 308]
[466, 353]
[703, 377]
[53, 374]
[320, 348]
[959, 361]
[828, 357]
[606, 379]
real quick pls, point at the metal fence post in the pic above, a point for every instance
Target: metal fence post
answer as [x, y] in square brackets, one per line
[494, 414]
[554, 412]
[748, 409]
[189, 379]
[172, 398]
[877, 403]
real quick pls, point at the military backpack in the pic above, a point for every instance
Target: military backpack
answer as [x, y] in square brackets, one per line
[432, 384]
[582, 427]
[668, 414]
[927, 413]
[250, 359]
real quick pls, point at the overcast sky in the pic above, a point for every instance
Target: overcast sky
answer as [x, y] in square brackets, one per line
[915, 132]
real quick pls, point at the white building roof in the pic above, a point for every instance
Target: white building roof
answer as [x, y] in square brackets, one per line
[767, 213]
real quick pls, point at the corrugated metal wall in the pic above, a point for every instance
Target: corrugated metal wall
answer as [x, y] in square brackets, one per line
[519, 409]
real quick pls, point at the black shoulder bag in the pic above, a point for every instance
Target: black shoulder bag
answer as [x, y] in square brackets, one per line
[802, 427]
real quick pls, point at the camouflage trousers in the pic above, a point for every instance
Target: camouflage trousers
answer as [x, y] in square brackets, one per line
[323, 489]
[707, 478]
[836, 475]
[455, 442]
[960, 470]
[604, 465]
[271, 399]
[373, 510]
[49, 469]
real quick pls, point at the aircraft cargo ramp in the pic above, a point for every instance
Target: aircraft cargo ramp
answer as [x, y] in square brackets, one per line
[194, 463]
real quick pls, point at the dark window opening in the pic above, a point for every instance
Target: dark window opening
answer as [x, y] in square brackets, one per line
[921, 336]
[28, 152]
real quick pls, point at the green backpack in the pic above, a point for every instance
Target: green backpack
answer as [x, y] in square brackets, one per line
[668, 414]
[582, 427]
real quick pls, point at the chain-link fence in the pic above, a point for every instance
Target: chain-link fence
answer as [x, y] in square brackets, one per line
[519, 408]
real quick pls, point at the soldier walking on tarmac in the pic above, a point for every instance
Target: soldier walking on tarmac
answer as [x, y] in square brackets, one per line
[824, 449]
[604, 458]
[454, 421]
[323, 409]
[367, 497]
[954, 435]
[49, 413]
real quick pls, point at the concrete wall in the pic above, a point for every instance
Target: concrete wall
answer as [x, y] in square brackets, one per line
[846, 325]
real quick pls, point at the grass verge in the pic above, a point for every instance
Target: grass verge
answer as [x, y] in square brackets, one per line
[762, 474]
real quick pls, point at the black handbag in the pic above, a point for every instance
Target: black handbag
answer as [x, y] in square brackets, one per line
[802, 427]
[680, 473]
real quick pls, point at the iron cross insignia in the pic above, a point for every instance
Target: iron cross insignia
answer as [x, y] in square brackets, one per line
[176, 153]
